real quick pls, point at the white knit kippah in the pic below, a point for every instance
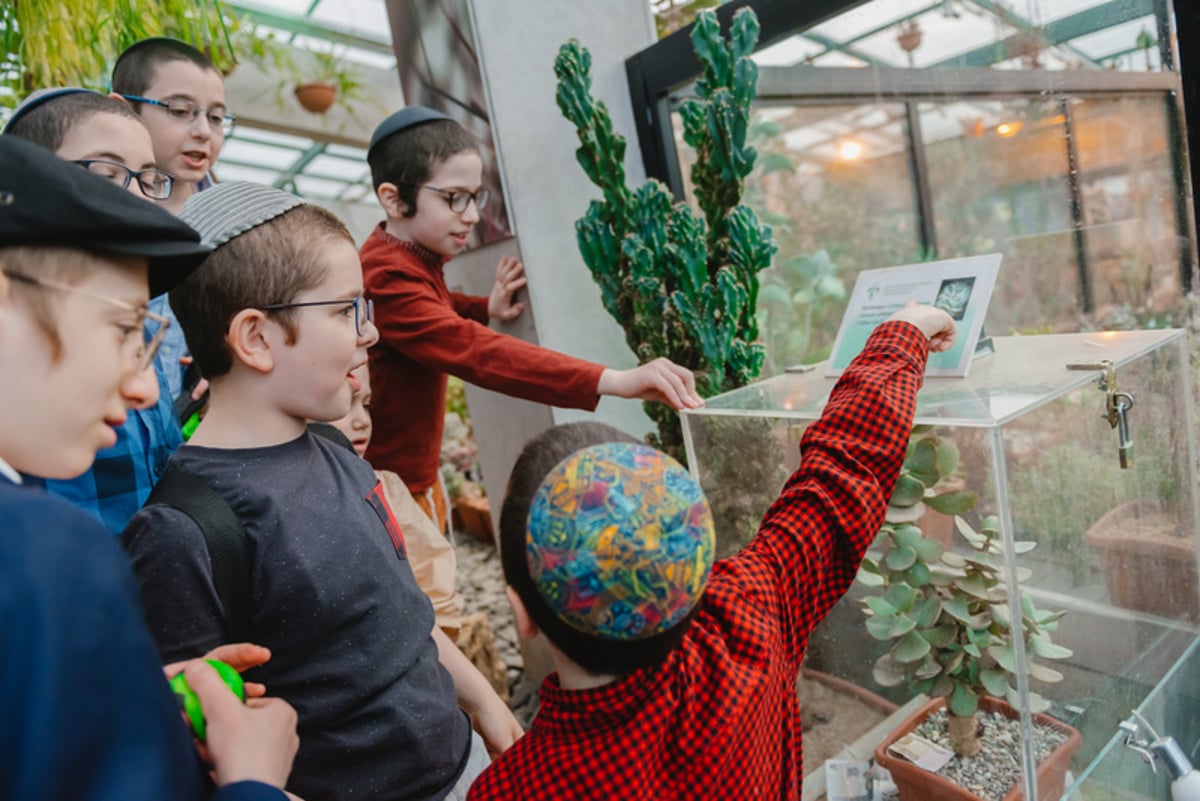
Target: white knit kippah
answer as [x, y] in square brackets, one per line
[230, 209]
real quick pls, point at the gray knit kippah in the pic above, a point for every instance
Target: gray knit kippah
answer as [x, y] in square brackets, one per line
[230, 209]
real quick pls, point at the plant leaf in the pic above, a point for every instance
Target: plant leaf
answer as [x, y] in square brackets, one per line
[928, 550]
[900, 558]
[972, 584]
[1004, 655]
[994, 681]
[1043, 647]
[952, 503]
[880, 606]
[887, 672]
[957, 608]
[927, 611]
[889, 628]
[1043, 673]
[901, 597]
[929, 668]
[964, 702]
[911, 649]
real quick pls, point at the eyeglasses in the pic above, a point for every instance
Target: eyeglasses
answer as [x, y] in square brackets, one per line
[155, 184]
[186, 111]
[458, 200]
[137, 349]
[364, 310]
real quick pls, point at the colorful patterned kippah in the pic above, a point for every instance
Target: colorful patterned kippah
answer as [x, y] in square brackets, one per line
[619, 541]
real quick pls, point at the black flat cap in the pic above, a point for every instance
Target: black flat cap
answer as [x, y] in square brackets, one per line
[402, 119]
[47, 201]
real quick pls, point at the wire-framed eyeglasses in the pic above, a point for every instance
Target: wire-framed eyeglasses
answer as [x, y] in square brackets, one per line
[186, 112]
[364, 310]
[137, 348]
[155, 184]
[457, 199]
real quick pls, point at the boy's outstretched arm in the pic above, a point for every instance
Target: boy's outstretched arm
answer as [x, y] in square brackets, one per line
[660, 380]
[490, 716]
[815, 534]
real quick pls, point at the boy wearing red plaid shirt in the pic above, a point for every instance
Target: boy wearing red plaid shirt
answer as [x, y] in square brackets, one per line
[676, 677]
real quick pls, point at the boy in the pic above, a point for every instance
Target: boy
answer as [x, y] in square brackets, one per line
[277, 321]
[428, 175]
[430, 554]
[104, 136]
[85, 712]
[667, 688]
[180, 97]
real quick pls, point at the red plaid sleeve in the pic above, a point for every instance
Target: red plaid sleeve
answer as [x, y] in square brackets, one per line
[815, 534]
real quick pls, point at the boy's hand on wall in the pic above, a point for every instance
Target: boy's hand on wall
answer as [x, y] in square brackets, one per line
[510, 276]
[660, 380]
[934, 323]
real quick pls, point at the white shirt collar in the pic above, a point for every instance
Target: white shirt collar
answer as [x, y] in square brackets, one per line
[8, 472]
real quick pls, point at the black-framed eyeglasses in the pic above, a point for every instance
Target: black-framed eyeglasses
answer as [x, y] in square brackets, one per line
[155, 184]
[137, 349]
[186, 112]
[457, 199]
[364, 310]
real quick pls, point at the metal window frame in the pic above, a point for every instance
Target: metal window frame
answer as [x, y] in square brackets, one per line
[662, 74]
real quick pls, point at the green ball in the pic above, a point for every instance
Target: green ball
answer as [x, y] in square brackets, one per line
[190, 704]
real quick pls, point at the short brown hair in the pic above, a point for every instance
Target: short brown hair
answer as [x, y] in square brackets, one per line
[49, 123]
[594, 654]
[63, 264]
[269, 264]
[408, 158]
[135, 67]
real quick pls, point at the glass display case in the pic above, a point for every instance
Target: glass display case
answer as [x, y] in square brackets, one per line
[1080, 448]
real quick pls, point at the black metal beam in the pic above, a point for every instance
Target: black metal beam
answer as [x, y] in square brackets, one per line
[1187, 26]
[671, 62]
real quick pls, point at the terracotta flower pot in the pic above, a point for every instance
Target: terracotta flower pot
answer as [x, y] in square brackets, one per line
[473, 517]
[1155, 574]
[317, 96]
[918, 784]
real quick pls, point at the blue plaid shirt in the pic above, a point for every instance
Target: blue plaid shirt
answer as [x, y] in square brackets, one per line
[123, 475]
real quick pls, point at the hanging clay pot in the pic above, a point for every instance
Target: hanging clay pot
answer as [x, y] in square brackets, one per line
[909, 37]
[317, 96]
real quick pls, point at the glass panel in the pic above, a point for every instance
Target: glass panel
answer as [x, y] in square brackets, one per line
[1035, 34]
[998, 181]
[834, 182]
[1134, 246]
[1113, 549]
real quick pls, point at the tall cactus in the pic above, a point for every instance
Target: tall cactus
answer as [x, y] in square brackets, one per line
[681, 285]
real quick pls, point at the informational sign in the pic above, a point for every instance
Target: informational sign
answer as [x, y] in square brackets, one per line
[961, 287]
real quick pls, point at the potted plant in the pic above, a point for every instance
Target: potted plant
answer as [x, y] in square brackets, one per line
[948, 617]
[930, 491]
[317, 87]
[1148, 562]
[909, 38]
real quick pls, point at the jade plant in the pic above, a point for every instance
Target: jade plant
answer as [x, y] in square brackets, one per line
[929, 479]
[948, 618]
[682, 285]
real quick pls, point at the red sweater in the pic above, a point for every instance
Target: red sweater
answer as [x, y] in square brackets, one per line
[427, 331]
[719, 717]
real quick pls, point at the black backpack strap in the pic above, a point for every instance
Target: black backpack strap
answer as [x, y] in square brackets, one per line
[228, 548]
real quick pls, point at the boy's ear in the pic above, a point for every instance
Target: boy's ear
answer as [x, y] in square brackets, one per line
[117, 96]
[389, 198]
[248, 340]
[526, 628]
